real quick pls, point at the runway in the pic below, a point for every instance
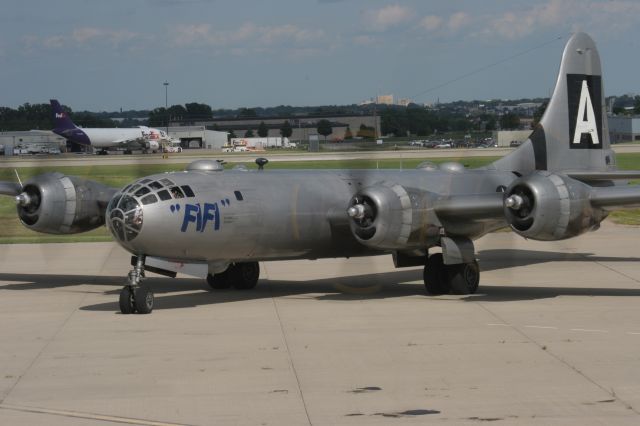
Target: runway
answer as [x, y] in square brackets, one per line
[552, 337]
[276, 156]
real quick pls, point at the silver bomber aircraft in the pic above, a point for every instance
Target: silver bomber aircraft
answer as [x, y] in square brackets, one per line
[560, 183]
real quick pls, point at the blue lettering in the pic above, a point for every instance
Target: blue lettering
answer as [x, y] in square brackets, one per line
[211, 213]
[192, 214]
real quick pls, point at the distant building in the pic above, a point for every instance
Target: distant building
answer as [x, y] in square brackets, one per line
[31, 138]
[302, 127]
[384, 100]
[504, 137]
[624, 129]
[198, 137]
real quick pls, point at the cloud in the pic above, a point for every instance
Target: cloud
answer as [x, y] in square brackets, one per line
[431, 23]
[248, 38]
[387, 17]
[82, 37]
[592, 16]
[458, 21]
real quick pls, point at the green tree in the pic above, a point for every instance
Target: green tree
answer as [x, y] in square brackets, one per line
[509, 121]
[286, 131]
[263, 131]
[196, 111]
[365, 131]
[231, 135]
[324, 128]
[247, 112]
[248, 133]
[636, 105]
[347, 134]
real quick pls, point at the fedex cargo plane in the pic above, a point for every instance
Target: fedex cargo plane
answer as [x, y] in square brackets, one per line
[102, 138]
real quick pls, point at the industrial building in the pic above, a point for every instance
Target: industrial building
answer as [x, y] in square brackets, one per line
[302, 127]
[198, 137]
[624, 129]
[33, 140]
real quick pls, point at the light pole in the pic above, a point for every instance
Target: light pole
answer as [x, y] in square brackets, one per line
[166, 104]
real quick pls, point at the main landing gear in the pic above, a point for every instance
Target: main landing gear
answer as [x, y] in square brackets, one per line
[462, 278]
[134, 296]
[241, 276]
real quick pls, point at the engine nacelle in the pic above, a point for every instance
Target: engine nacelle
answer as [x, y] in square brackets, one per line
[391, 217]
[549, 207]
[53, 203]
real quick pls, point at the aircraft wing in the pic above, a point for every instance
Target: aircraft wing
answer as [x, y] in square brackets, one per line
[615, 198]
[471, 207]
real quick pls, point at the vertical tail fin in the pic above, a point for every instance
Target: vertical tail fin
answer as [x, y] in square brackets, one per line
[61, 119]
[573, 133]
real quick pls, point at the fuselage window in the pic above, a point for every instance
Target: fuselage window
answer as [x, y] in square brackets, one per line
[155, 185]
[149, 199]
[187, 191]
[164, 195]
[176, 192]
[238, 195]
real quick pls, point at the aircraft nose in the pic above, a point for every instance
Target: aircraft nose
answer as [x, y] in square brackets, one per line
[124, 217]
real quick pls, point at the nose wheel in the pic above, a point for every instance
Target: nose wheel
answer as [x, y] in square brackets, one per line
[134, 296]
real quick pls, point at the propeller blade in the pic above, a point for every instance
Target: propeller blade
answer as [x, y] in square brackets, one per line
[10, 188]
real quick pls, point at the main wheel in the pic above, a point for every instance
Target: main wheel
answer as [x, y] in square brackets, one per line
[126, 301]
[244, 276]
[219, 281]
[464, 277]
[435, 276]
[143, 299]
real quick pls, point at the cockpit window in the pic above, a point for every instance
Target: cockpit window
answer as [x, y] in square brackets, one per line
[145, 181]
[238, 195]
[155, 185]
[142, 191]
[166, 182]
[187, 190]
[133, 188]
[164, 195]
[176, 192]
[128, 203]
[149, 199]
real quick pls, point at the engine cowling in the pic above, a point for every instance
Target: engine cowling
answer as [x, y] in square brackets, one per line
[549, 207]
[53, 203]
[390, 217]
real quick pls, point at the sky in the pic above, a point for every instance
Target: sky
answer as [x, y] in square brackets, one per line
[105, 55]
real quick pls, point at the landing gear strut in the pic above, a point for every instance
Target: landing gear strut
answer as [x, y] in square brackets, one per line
[135, 297]
[242, 276]
[462, 278]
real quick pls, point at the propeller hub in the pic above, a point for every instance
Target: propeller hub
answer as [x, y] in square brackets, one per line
[23, 199]
[356, 211]
[514, 202]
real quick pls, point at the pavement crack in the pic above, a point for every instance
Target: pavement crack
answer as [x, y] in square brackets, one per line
[291, 362]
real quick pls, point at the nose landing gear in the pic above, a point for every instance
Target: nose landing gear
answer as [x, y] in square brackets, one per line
[135, 297]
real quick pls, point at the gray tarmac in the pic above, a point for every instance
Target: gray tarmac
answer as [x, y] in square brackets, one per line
[552, 337]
